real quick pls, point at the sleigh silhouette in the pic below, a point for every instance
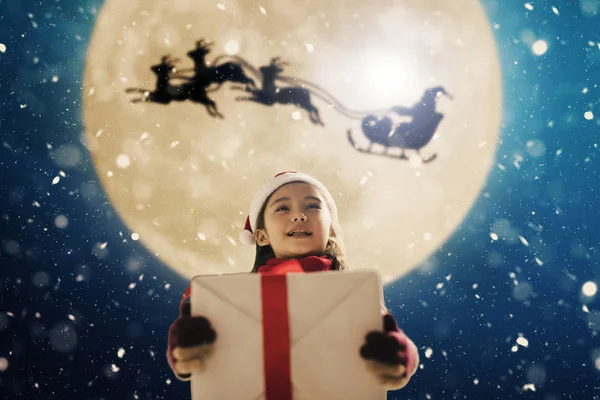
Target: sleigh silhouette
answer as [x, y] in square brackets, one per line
[406, 136]
[413, 135]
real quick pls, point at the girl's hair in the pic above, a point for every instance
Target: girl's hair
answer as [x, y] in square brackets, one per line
[335, 249]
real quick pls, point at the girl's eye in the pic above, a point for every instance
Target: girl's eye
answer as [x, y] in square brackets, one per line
[314, 205]
[281, 208]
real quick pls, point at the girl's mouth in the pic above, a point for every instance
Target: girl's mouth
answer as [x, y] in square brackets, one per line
[299, 233]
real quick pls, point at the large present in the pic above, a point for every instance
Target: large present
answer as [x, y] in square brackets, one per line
[288, 337]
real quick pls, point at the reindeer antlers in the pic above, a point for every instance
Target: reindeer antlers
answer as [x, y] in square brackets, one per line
[204, 43]
[277, 61]
[167, 58]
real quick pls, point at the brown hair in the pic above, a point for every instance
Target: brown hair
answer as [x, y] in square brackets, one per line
[334, 250]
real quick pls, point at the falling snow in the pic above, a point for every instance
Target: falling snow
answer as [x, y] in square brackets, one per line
[508, 305]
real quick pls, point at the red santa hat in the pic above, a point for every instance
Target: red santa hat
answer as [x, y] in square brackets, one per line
[247, 235]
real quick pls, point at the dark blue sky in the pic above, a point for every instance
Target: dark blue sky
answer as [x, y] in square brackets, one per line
[72, 327]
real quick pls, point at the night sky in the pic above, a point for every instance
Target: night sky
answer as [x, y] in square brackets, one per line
[505, 309]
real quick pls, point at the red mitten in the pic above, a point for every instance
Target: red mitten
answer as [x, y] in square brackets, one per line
[190, 343]
[391, 356]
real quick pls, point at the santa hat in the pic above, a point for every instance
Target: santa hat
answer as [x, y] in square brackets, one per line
[247, 235]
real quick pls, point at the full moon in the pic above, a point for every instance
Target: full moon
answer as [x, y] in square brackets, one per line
[182, 179]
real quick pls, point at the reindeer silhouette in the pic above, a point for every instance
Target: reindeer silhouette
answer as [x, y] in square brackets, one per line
[270, 94]
[413, 135]
[205, 75]
[164, 92]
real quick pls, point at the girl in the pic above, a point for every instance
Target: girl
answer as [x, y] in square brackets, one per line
[293, 222]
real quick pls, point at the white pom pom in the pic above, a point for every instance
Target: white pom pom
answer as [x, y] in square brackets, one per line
[246, 237]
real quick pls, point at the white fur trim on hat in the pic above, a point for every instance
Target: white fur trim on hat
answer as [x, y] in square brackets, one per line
[247, 235]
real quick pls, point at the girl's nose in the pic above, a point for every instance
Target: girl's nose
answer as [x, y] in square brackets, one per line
[299, 217]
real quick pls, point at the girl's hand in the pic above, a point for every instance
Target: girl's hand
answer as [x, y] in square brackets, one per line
[190, 343]
[390, 355]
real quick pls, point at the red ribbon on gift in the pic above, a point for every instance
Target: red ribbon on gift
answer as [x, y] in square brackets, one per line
[276, 331]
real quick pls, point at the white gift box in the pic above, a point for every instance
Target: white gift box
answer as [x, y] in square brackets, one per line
[315, 323]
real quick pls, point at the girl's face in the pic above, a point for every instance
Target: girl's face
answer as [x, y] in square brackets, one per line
[297, 222]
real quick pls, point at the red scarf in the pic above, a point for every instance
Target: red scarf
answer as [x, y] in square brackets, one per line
[306, 264]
